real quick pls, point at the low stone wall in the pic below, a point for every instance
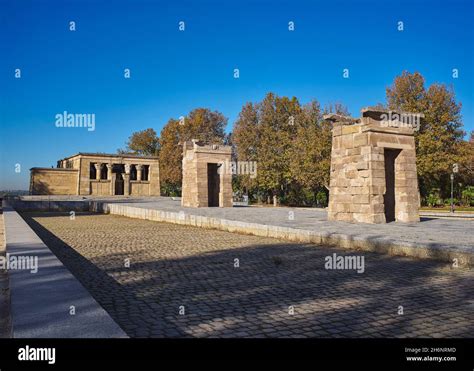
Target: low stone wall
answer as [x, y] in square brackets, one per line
[292, 234]
[49, 205]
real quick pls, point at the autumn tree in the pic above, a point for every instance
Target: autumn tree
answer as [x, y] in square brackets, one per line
[291, 145]
[311, 150]
[337, 108]
[205, 125]
[201, 124]
[440, 138]
[170, 158]
[144, 143]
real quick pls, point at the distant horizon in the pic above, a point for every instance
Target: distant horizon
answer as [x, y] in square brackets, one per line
[173, 71]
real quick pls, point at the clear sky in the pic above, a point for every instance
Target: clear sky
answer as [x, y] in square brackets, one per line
[173, 72]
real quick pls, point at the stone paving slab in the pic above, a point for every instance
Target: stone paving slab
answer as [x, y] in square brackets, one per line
[440, 239]
[175, 266]
[41, 302]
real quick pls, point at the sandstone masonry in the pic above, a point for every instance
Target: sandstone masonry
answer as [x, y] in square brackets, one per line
[205, 181]
[373, 170]
[98, 174]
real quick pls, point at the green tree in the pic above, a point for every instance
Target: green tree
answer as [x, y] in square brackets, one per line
[277, 129]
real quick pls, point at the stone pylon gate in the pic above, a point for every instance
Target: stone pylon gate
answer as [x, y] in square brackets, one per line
[373, 168]
[206, 183]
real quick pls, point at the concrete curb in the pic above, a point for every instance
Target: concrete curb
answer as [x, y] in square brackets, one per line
[346, 241]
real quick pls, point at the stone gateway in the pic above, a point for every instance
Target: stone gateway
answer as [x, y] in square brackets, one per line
[206, 183]
[373, 169]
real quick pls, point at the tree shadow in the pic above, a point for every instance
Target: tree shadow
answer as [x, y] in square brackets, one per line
[278, 290]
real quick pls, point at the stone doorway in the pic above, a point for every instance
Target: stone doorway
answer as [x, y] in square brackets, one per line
[119, 187]
[373, 176]
[390, 156]
[213, 185]
[204, 184]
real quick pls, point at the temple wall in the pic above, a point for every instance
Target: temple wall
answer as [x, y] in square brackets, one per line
[114, 167]
[53, 181]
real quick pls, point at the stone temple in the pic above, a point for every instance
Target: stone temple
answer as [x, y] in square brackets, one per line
[373, 168]
[98, 174]
[205, 181]
[373, 177]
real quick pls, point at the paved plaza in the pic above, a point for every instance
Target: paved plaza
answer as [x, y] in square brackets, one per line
[455, 234]
[168, 280]
[442, 238]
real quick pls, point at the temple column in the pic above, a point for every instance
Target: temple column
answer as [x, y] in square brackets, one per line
[112, 184]
[109, 171]
[139, 172]
[110, 176]
[97, 170]
[126, 180]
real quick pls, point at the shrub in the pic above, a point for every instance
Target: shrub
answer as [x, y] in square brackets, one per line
[468, 196]
[433, 200]
[447, 201]
[322, 199]
[170, 190]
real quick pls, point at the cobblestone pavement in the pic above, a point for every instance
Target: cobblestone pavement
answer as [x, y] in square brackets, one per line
[449, 232]
[453, 233]
[280, 289]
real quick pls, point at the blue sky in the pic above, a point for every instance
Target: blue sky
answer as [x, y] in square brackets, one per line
[173, 72]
